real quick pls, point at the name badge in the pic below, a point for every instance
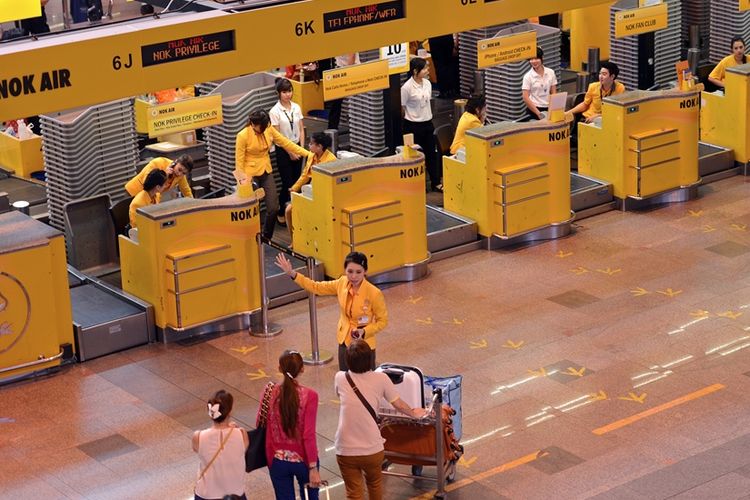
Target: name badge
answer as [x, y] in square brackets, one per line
[363, 320]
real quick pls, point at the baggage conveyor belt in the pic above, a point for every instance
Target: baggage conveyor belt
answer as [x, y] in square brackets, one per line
[19, 189]
[589, 196]
[449, 234]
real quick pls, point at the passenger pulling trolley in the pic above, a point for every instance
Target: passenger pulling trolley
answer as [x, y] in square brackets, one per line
[420, 441]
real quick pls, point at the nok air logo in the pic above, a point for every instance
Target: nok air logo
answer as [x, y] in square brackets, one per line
[15, 311]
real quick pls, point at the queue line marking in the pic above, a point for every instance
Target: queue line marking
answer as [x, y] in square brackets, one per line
[490, 472]
[656, 409]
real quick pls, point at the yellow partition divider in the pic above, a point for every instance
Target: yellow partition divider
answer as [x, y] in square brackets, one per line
[376, 206]
[309, 95]
[725, 118]
[196, 261]
[515, 177]
[589, 27]
[35, 312]
[647, 143]
[23, 156]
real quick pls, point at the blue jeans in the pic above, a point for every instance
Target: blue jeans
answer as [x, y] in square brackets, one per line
[282, 477]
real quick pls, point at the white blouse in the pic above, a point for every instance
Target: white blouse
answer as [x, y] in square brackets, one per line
[415, 98]
[288, 122]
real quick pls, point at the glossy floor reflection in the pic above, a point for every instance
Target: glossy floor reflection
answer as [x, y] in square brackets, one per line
[637, 327]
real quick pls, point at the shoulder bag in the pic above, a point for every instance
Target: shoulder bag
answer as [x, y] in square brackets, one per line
[255, 455]
[362, 398]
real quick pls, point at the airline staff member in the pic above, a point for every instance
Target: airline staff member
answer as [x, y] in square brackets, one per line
[286, 117]
[153, 186]
[362, 313]
[735, 59]
[591, 107]
[320, 144]
[176, 172]
[538, 84]
[416, 94]
[473, 117]
[251, 157]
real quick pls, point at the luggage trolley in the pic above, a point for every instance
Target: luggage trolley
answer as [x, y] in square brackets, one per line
[417, 441]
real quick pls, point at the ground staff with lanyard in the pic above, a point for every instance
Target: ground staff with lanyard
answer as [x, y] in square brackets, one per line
[363, 312]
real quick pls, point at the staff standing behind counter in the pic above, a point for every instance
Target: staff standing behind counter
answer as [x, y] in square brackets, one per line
[176, 175]
[736, 58]
[153, 186]
[474, 116]
[251, 157]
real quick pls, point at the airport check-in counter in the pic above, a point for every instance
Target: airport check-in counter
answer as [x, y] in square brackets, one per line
[36, 325]
[514, 181]
[196, 261]
[371, 205]
[725, 118]
[646, 146]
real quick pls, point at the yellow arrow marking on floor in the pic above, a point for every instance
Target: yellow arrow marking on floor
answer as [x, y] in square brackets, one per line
[335, 401]
[669, 292]
[579, 270]
[600, 396]
[739, 227]
[562, 254]
[538, 373]
[639, 291]
[466, 463]
[609, 271]
[413, 299]
[730, 314]
[708, 228]
[700, 313]
[634, 397]
[695, 213]
[455, 321]
[258, 375]
[656, 409]
[509, 344]
[488, 473]
[478, 345]
[574, 372]
[427, 321]
[244, 350]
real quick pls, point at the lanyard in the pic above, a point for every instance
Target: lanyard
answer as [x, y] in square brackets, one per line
[291, 123]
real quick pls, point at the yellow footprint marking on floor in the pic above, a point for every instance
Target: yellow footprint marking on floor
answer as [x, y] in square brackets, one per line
[700, 313]
[695, 213]
[669, 292]
[600, 396]
[413, 299]
[730, 314]
[258, 375]
[579, 270]
[638, 292]
[427, 321]
[478, 345]
[463, 461]
[634, 397]
[576, 373]
[244, 349]
[609, 271]
[563, 255]
[509, 344]
[541, 372]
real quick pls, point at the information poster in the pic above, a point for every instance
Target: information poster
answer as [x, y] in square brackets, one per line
[357, 79]
[506, 49]
[397, 57]
[187, 114]
[638, 21]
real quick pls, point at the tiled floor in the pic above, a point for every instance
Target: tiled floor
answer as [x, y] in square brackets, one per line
[636, 327]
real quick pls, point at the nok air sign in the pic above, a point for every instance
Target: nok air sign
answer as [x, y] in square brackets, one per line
[641, 20]
[506, 49]
[187, 114]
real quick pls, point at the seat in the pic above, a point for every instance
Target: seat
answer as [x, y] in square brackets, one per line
[121, 215]
[90, 236]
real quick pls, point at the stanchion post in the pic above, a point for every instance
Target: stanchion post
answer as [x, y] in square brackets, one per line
[269, 330]
[315, 356]
[439, 438]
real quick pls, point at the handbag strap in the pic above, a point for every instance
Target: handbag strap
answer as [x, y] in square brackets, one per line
[362, 398]
[265, 404]
[213, 459]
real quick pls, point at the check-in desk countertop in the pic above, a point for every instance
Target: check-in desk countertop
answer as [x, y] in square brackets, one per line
[725, 118]
[195, 261]
[372, 205]
[35, 312]
[647, 143]
[515, 177]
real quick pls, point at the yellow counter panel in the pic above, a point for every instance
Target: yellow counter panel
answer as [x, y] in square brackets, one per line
[195, 260]
[515, 177]
[35, 312]
[22, 156]
[309, 95]
[647, 143]
[725, 119]
[372, 205]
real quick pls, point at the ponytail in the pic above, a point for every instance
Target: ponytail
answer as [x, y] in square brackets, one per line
[290, 365]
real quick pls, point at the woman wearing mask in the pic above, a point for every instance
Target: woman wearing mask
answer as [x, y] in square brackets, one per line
[286, 117]
[221, 449]
[416, 94]
[252, 160]
[473, 117]
[736, 58]
[362, 306]
[291, 448]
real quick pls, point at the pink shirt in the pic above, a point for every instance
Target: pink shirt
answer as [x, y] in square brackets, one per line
[304, 444]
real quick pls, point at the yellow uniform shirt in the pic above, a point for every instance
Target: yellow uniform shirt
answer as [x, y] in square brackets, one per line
[251, 150]
[719, 72]
[468, 121]
[306, 175]
[142, 199]
[365, 308]
[594, 97]
[135, 185]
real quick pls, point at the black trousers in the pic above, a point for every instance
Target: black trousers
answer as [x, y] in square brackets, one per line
[289, 171]
[530, 114]
[342, 358]
[446, 65]
[424, 135]
[272, 202]
[334, 113]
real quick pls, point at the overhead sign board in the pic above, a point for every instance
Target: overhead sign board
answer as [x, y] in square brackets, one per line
[641, 20]
[506, 49]
[357, 79]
